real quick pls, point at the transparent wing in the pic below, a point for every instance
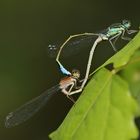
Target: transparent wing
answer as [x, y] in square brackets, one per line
[74, 46]
[26, 111]
[115, 25]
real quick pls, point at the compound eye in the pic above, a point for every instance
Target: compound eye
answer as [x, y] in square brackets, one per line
[76, 73]
[126, 23]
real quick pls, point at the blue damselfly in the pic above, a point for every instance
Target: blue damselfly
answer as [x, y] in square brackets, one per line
[26, 111]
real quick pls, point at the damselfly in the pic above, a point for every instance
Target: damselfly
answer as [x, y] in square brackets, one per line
[73, 44]
[23, 113]
[112, 33]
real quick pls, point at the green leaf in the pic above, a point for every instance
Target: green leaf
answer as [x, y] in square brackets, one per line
[122, 57]
[131, 73]
[105, 111]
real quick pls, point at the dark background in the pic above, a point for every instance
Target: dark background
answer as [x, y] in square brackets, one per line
[26, 29]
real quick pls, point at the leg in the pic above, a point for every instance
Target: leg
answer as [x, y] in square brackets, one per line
[67, 95]
[113, 43]
[75, 91]
[131, 31]
[70, 92]
[71, 87]
[113, 46]
[125, 38]
[71, 98]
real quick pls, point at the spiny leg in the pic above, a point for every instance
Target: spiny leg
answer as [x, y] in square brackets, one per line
[124, 37]
[114, 41]
[67, 93]
[75, 91]
[112, 44]
[131, 31]
[71, 98]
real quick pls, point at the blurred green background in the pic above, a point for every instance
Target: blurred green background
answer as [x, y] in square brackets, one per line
[26, 29]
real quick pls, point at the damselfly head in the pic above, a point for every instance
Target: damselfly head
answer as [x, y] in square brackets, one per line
[75, 74]
[126, 24]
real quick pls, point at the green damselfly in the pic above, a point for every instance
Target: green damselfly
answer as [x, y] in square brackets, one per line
[111, 34]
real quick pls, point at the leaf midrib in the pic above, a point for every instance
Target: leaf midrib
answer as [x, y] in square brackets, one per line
[92, 104]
